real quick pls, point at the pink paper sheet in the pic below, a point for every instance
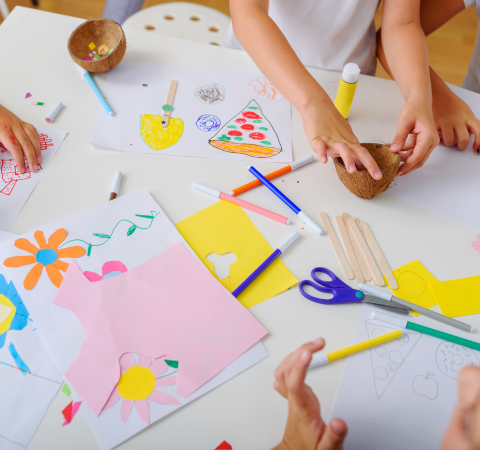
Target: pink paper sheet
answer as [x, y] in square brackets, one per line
[170, 305]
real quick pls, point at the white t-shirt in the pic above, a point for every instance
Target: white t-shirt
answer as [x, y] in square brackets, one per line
[325, 33]
[472, 79]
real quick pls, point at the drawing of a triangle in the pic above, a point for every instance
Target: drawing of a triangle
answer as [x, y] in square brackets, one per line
[387, 358]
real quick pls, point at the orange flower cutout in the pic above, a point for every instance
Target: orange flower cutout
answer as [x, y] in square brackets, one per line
[48, 256]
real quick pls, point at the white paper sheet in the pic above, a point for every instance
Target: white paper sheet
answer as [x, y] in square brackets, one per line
[399, 395]
[230, 92]
[449, 182]
[60, 329]
[24, 397]
[15, 188]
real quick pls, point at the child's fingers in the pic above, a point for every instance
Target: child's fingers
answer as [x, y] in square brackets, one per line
[448, 136]
[411, 141]
[27, 148]
[320, 149]
[334, 436]
[32, 134]
[280, 388]
[403, 130]
[346, 155]
[11, 143]
[295, 381]
[474, 127]
[409, 167]
[463, 136]
[367, 160]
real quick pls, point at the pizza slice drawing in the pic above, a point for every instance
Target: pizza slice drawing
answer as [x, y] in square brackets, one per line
[388, 357]
[248, 133]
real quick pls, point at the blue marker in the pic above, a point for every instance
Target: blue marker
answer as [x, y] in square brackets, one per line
[307, 219]
[99, 95]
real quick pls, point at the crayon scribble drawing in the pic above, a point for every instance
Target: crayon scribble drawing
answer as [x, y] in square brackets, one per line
[248, 133]
[264, 87]
[208, 122]
[211, 94]
[10, 175]
[157, 137]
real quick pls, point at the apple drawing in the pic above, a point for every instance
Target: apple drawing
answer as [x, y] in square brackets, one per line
[426, 386]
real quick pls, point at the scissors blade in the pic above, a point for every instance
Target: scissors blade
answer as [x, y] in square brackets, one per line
[386, 304]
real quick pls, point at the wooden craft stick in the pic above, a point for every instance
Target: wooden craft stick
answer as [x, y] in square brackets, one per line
[357, 234]
[377, 251]
[347, 270]
[356, 249]
[349, 249]
[168, 106]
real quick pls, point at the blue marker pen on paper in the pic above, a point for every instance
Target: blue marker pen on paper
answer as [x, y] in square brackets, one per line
[97, 92]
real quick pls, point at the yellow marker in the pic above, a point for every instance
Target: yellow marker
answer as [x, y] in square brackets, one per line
[320, 360]
[346, 89]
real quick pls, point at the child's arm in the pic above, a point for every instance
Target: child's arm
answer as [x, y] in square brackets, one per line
[305, 428]
[406, 53]
[328, 132]
[21, 139]
[453, 117]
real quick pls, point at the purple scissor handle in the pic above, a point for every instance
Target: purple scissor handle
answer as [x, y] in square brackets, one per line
[342, 293]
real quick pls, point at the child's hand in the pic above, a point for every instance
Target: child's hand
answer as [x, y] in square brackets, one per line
[305, 428]
[415, 119]
[330, 134]
[453, 117]
[21, 139]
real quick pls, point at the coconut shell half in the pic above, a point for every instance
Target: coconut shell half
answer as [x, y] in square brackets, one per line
[361, 183]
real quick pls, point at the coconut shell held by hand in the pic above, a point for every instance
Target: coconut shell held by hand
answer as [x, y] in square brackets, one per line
[102, 33]
[361, 183]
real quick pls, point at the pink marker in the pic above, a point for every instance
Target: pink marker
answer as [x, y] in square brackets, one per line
[237, 201]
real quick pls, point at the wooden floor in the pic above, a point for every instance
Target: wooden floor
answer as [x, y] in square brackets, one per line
[449, 48]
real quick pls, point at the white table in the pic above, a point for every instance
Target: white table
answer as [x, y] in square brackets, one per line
[246, 411]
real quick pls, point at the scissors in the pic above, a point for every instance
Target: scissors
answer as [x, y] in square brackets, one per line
[343, 293]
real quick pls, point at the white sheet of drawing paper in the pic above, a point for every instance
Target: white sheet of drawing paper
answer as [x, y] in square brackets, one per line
[60, 329]
[401, 394]
[24, 397]
[129, 100]
[449, 182]
[15, 188]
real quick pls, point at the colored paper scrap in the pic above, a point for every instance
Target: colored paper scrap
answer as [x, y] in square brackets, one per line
[103, 49]
[28, 95]
[225, 228]
[152, 310]
[476, 245]
[413, 280]
[224, 446]
[66, 390]
[67, 413]
[91, 46]
[460, 297]
[87, 58]
[18, 360]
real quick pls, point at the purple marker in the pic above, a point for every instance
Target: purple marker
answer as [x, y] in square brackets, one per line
[281, 249]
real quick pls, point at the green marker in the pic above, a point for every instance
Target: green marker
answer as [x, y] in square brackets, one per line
[402, 323]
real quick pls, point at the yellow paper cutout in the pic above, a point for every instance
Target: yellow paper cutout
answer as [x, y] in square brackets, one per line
[91, 46]
[137, 383]
[157, 137]
[7, 313]
[225, 228]
[413, 280]
[459, 297]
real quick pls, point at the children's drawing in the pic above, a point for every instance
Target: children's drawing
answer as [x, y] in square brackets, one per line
[208, 122]
[45, 142]
[13, 314]
[426, 385]
[264, 87]
[211, 94]
[47, 255]
[24, 369]
[158, 137]
[386, 363]
[138, 385]
[451, 358]
[109, 269]
[10, 175]
[248, 133]
[476, 245]
[131, 229]
[221, 264]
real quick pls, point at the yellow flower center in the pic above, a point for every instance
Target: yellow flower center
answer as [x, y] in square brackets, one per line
[7, 313]
[136, 383]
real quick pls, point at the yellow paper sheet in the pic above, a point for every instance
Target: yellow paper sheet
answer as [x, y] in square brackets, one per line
[459, 297]
[225, 228]
[413, 280]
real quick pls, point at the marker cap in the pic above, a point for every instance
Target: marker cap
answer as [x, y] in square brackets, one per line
[116, 182]
[301, 162]
[390, 319]
[311, 223]
[56, 109]
[374, 291]
[318, 360]
[207, 190]
[289, 241]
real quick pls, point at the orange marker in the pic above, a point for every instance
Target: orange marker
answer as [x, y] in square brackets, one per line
[271, 176]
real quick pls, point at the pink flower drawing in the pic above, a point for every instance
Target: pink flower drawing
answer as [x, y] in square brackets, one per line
[138, 383]
[109, 269]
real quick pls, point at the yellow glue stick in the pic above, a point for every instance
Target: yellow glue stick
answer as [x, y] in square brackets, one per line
[346, 88]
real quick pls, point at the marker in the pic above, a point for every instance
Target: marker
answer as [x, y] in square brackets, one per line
[53, 113]
[321, 360]
[346, 89]
[402, 323]
[115, 186]
[272, 175]
[426, 312]
[281, 249]
[237, 201]
[307, 219]
[97, 92]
